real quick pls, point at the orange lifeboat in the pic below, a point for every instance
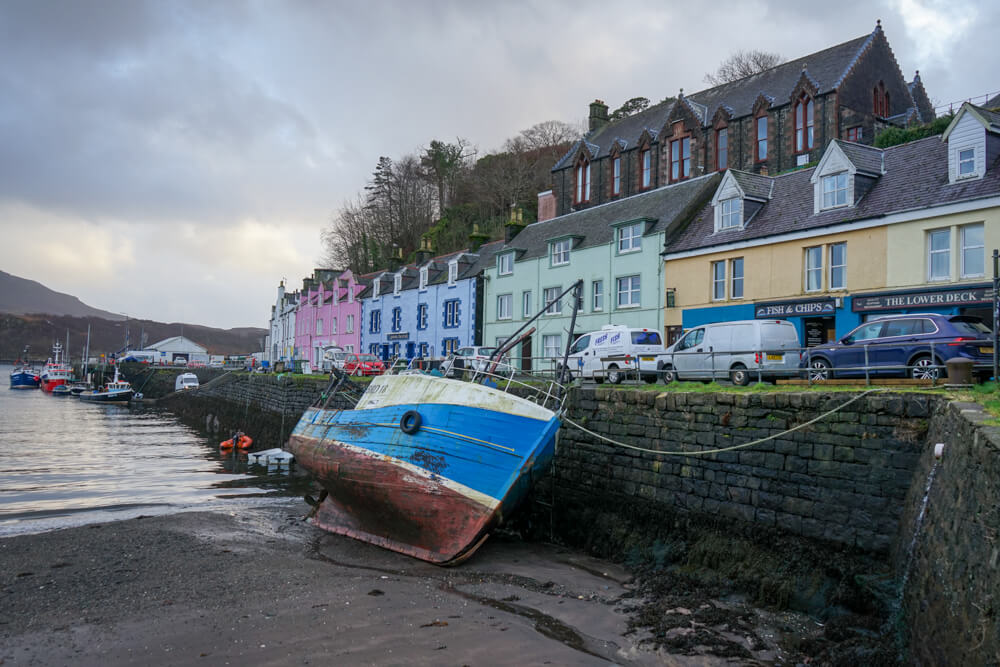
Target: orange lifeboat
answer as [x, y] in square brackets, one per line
[240, 440]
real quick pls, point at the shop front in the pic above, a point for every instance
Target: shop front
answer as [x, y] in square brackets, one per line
[815, 319]
[973, 300]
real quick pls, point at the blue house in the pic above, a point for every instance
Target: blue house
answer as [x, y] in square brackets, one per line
[427, 309]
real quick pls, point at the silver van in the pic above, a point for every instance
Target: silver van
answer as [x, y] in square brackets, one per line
[740, 351]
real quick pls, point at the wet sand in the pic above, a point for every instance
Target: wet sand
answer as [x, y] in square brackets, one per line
[259, 586]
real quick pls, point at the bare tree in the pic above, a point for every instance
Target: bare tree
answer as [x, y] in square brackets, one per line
[742, 64]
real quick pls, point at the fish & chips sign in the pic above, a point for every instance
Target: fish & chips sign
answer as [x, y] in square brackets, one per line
[794, 309]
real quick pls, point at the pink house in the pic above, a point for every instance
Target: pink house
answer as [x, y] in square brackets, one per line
[329, 313]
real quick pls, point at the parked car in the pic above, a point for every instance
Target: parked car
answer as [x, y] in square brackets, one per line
[334, 357]
[742, 351]
[605, 354]
[471, 358]
[915, 345]
[363, 364]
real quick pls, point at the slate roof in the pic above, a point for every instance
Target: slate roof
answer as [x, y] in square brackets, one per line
[867, 159]
[916, 176]
[469, 265]
[593, 225]
[753, 185]
[991, 117]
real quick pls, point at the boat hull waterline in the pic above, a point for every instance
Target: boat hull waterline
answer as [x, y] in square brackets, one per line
[433, 493]
[24, 379]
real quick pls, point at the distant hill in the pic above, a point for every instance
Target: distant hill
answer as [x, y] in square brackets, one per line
[32, 314]
[21, 296]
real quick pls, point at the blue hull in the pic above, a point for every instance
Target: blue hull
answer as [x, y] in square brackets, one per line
[24, 380]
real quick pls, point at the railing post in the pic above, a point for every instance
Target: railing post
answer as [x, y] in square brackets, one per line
[711, 352]
[760, 364]
[809, 376]
[868, 380]
[935, 371]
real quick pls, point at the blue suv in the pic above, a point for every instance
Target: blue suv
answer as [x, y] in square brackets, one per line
[916, 345]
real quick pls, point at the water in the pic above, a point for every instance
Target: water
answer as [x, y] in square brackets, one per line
[64, 462]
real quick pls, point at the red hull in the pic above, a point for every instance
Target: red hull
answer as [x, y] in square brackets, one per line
[373, 500]
[49, 385]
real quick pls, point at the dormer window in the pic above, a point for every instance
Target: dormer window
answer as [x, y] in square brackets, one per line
[804, 124]
[966, 162]
[505, 264]
[582, 182]
[375, 286]
[730, 213]
[630, 238]
[835, 190]
[452, 272]
[616, 176]
[646, 167]
[560, 252]
[423, 277]
[680, 159]
[397, 284]
[721, 148]
[761, 153]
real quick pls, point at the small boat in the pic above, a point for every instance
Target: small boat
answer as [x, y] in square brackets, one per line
[23, 376]
[116, 391]
[56, 372]
[78, 388]
[427, 465]
[61, 390]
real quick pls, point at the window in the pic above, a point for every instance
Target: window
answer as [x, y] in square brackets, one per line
[319, 327]
[973, 257]
[854, 134]
[835, 190]
[630, 237]
[423, 277]
[373, 348]
[548, 295]
[375, 321]
[452, 272]
[397, 318]
[448, 346]
[838, 266]
[551, 344]
[397, 283]
[505, 305]
[375, 287]
[333, 326]
[580, 345]
[646, 164]
[736, 278]
[804, 124]
[421, 316]
[719, 281]
[395, 349]
[526, 304]
[349, 327]
[451, 314]
[616, 176]
[731, 213]
[582, 182]
[560, 252]
[880, 100]
[761, 138]
[597, 289]
[721, 148]
[425, 350]
[505, 264]
[939, 254]
[628, 292]
[967, 162]
[348, 348]
[814, 269]
[680, 159]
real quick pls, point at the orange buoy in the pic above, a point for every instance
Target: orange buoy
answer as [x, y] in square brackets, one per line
[239, 440]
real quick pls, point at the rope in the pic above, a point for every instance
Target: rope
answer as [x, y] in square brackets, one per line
[724, 449]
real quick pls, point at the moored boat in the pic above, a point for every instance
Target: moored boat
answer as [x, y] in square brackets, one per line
[56, 372]
[23, 376]
[116, 391]
[61, 390]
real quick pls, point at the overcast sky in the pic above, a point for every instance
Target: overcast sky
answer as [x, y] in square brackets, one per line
[175, 160]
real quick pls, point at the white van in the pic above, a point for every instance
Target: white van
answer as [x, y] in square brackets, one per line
[186, 381]
[741, 351]
[610, 352]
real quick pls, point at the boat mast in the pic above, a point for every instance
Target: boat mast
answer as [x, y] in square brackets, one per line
[564, 374]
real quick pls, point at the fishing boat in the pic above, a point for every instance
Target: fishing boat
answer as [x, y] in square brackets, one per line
[23, 375]
[427, 465]
[56, 371]
[61, 390]
[116, 391]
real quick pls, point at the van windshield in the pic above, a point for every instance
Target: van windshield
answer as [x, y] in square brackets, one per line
[646, 338]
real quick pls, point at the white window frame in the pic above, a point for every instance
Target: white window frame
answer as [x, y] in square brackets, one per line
[629, 289]
[319, 326]
[526, 303]
[505, 305]
[835, 189]
[830, 281]
[397, 284]
[559, 255]
[505, 264]
[375, 286]
[333, 326]
[552, 345]
[811, 253]
[730, 214]
[423, 278]
[945, 233]
[350, 324]
[647, 167]
[551, 293]
[597, 296]
[422, 310]
[965, 248]
[718, 280]
[616, 179]
[971, 161]
[583, 183]
[452, 272]
[630, 238]
[733, 277]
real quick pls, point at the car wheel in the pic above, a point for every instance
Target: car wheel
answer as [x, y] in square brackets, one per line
[819, 370]
[614, 375]
[739, 375]
[667, 374]
[649, 379]
[924, 368]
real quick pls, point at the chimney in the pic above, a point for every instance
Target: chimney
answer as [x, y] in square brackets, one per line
[425, 251]
[546, 205]
[477, 238]
[514, 226]
[396, 259]
[598, 115]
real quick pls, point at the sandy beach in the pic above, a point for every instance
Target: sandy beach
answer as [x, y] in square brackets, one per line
[257, 585]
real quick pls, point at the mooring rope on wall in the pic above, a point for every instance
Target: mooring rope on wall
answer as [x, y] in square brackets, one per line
[723, 449]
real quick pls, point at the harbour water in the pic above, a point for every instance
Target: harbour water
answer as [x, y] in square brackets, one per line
[65, 463]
